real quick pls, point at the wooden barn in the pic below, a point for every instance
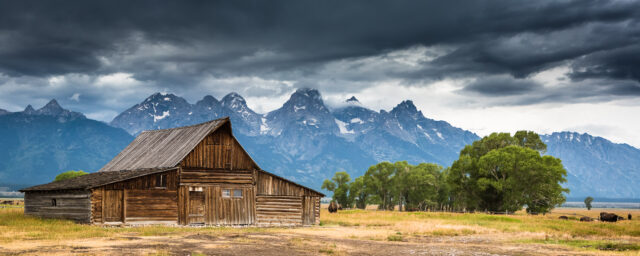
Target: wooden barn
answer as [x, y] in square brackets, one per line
[189, 175]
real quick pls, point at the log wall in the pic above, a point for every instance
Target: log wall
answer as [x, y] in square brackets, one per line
[268, 184]
[72, 205]
[213, 177]
[279, 210]
[138, 200]
[219, 150]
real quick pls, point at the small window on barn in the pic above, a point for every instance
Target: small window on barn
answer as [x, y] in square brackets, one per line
[54, 202]
[237, 193]
[161, 181]
[226, 193]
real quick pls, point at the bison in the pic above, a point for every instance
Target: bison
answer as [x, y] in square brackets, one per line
[585, 218]
[563, 217]
[609, 217]
[333, 207]
[629, 216]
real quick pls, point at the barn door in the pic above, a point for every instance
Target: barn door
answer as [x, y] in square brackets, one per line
[196, 205]
[308, 215]
[113, 205]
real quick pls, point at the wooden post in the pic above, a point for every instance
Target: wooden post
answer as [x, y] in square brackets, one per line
[102, 202]
[124, 206]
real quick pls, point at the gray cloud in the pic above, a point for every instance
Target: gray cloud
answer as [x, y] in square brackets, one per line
[261, 48]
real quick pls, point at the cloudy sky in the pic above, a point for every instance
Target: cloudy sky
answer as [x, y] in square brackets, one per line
[481, 65]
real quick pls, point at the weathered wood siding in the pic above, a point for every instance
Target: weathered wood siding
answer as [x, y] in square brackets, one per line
[212, 177]
[219, 150]
[146, 182]
[137, 200]
[72, 205]
[274, 195]
[279, 210]
[151, 205]
[230, 210]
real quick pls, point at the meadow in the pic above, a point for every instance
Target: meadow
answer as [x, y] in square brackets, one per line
[368, 232]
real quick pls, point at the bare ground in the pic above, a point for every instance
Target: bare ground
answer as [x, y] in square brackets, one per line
[299, 241]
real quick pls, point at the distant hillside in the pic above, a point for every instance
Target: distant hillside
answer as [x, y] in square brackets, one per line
[39, 144]
[597, 166]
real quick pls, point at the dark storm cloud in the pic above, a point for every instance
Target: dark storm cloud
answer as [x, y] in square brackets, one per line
[177, 43]
[502, 86]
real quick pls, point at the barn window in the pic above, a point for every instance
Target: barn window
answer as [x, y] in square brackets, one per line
[237, 193]
[226, 193]
[54, 202]
[161, 181]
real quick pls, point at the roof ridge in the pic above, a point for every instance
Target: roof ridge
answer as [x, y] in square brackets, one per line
[185, 127]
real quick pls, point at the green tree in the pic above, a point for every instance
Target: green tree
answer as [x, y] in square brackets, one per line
[339, 185]
[69, 175]
[587, 202]
[504, 173]
[378, 181]
[358, 193]
[420, 186]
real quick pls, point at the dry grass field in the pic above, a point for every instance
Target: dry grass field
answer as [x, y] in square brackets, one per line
[349, 232]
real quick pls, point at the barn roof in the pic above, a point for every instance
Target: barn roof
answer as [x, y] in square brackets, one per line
[162, 148]
[96, 179]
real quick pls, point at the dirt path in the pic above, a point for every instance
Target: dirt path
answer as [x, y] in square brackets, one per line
[311, 241]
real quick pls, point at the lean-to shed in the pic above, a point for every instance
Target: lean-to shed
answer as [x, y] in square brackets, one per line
[196, 174]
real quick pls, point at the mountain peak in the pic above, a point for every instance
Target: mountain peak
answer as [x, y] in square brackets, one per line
[405, 106]
[234, 101]
[208, 99]
[353, 100]
[29, 109]
[52, 108]
[3, 112]
[307, 92]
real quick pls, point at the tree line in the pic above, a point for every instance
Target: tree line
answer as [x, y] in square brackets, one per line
[500, 173]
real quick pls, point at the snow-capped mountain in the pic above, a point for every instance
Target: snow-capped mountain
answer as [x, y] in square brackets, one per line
[39, 144]
[596, 166]
[304, 140]
[307, 141]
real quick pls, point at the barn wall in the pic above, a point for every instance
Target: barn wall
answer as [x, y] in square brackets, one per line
[279, 210]
[212, 177]
[219, 150]
[72, 205]
[146, 182]
[141, 200]
[230, 211]
[272, 185]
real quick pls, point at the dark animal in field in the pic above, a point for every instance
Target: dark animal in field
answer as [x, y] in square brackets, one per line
[609, 217]
[585, 218]
[333, 207]
[620, 218]
[563, 217]
[629, 216]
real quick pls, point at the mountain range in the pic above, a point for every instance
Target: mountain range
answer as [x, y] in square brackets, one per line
[303, 140]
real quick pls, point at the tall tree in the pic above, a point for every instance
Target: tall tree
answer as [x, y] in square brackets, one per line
[339, 185]
[587, 202]
[378, 180]
[358, 193]
[504, 173]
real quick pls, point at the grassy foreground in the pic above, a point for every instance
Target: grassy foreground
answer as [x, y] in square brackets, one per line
[391, 227]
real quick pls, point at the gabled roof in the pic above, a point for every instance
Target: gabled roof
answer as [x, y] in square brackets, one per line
[95, 179]
[162, 148]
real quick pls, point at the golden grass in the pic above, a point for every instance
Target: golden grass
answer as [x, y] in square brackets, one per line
[15, 226]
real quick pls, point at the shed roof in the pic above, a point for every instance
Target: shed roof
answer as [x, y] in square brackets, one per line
[162, 148]
[95, 179]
